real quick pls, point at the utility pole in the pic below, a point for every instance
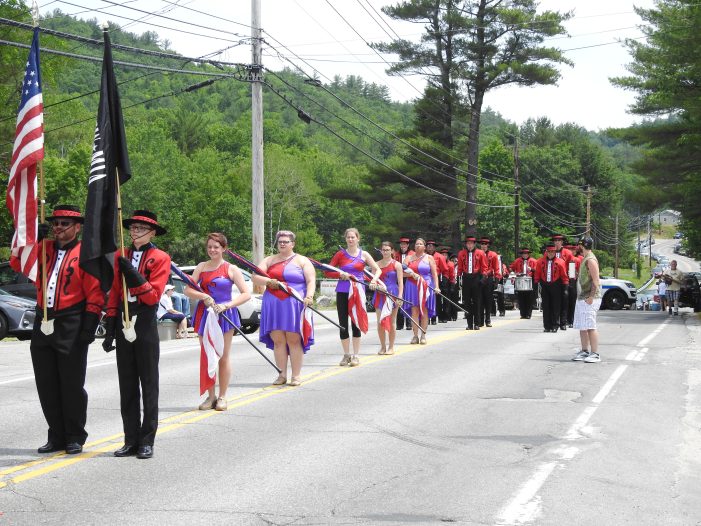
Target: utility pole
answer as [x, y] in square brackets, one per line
[649, 240]
[588, 191]
[257, 177]
[615, 266]
[517, 196]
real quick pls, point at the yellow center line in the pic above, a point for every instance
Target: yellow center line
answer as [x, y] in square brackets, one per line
[192, 416]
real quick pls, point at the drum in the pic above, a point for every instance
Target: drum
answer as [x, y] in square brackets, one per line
[523, 283]
[500, 287]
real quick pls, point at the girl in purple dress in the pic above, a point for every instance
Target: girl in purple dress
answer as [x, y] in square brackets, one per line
[282, 318]
[216, 278]
[424, 265]
[351, 261]
[393, 278]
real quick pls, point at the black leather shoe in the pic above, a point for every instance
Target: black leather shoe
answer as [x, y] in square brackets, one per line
[477, 327]
[407, 328]
[126, 451]
[468, 328]
[145, 452]
[502, 314]
[489, 324]
[547, 330]
[554, 330]
[563, 327]
[73, 448]
[570, 325]
[50, 447]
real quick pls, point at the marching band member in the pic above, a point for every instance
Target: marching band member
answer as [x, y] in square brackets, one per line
[524, 266]
[423, 265]
[566, 256]
[472, 264]
[352, 261]
[401, 255]
[393, 277]
[491, 275]
[74, 303]
[552, 275]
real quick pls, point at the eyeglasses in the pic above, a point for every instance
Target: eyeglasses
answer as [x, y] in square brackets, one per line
[283, 241]
[62, 223]
[139, 228]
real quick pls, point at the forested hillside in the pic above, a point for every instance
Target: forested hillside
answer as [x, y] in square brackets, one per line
[190, 153]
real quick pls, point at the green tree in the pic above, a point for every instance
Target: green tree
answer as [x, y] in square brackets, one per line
[470, 47]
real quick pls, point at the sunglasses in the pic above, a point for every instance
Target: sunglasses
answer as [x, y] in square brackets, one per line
[62, 223]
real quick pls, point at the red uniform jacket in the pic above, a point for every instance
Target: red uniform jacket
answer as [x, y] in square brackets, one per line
[524, 266]
[402, 257]
[479, 262]
[441, 265]
[558, 272]
[493, 264]
[452, 276]
[154, 265]
[72, 285]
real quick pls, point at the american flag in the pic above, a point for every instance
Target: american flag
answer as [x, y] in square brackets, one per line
[28, 150]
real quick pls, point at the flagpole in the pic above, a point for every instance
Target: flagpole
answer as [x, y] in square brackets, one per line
[42, 216]
[127, 321]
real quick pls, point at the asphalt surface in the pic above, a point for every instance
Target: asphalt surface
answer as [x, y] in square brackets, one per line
[491, 427]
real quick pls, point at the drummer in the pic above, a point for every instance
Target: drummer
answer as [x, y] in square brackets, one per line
[524, 267]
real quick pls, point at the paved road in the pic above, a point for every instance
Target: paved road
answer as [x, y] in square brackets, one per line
[489, 427]
[666, 247]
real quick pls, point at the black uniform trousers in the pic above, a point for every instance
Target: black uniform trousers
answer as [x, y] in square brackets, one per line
[571, 301]
[137, 367]
[564, 305]
[501, 306]
[551, 296]
[454, 295]
[60, 379]
[401, 318]
[486, 300]
[471, 298]
[442, 306]
[525, 303]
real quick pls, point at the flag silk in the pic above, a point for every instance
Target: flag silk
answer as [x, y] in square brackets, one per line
[422, 287]
[386, 313]
[356, 306]
[27, 151]
[211, 350]
[109, 157]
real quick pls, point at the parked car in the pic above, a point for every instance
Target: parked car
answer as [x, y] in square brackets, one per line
[617, 293]
[16, 316]
[249, 311]
[678, 235]
[690, 293]
[16, 283]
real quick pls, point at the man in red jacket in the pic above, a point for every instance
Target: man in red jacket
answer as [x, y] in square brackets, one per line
[524, 266]
[491, 275]
[401, 256]
[74, 303]
[551, 273]
[563, 253]
[472, 264]
[145, 270]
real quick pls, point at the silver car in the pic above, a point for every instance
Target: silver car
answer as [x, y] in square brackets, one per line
[16, 316]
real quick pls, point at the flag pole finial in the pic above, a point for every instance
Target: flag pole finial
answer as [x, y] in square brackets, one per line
[104, 25]
[35, 12]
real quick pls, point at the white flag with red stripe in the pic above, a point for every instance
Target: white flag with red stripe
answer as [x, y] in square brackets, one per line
[306, 328]
[422, 287]
[27, 151]
[211, 350]
[356, 306]
[386, 313]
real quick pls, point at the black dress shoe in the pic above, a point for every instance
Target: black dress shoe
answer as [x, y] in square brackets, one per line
[502, 314]
[126, 450]
[546, 330]
[468, 328]
[528, 317]
[50, 447]
[563, 327]
[407, 328]
[554, 330]
[477, 327]
[488, 324]
[73, 448]
[145, 452]
[570, 325]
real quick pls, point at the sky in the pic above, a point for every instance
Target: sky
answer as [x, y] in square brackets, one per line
[325, 42]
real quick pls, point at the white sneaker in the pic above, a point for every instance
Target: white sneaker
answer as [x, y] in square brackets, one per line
[580, 356]
[592, 358]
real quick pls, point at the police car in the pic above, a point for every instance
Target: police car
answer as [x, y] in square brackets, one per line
[617, 293]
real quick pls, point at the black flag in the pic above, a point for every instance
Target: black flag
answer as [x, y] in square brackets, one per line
[109, 157]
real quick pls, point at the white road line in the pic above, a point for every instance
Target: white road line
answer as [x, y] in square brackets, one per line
[526, 505]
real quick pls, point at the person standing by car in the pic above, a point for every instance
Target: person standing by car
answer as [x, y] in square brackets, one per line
[588, 304]
[673, 277]
[662, 292]
[74, 303]
[145, 270]
[216, 277]
[282, 316]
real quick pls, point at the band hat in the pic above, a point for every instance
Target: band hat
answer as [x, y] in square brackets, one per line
[404, 240]
[147, 218]
[485, 240]
[525, 250]
[550, 246]
[430, 242]
[558, 237]
[470, 238]
[444, 251]
[67, 212]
